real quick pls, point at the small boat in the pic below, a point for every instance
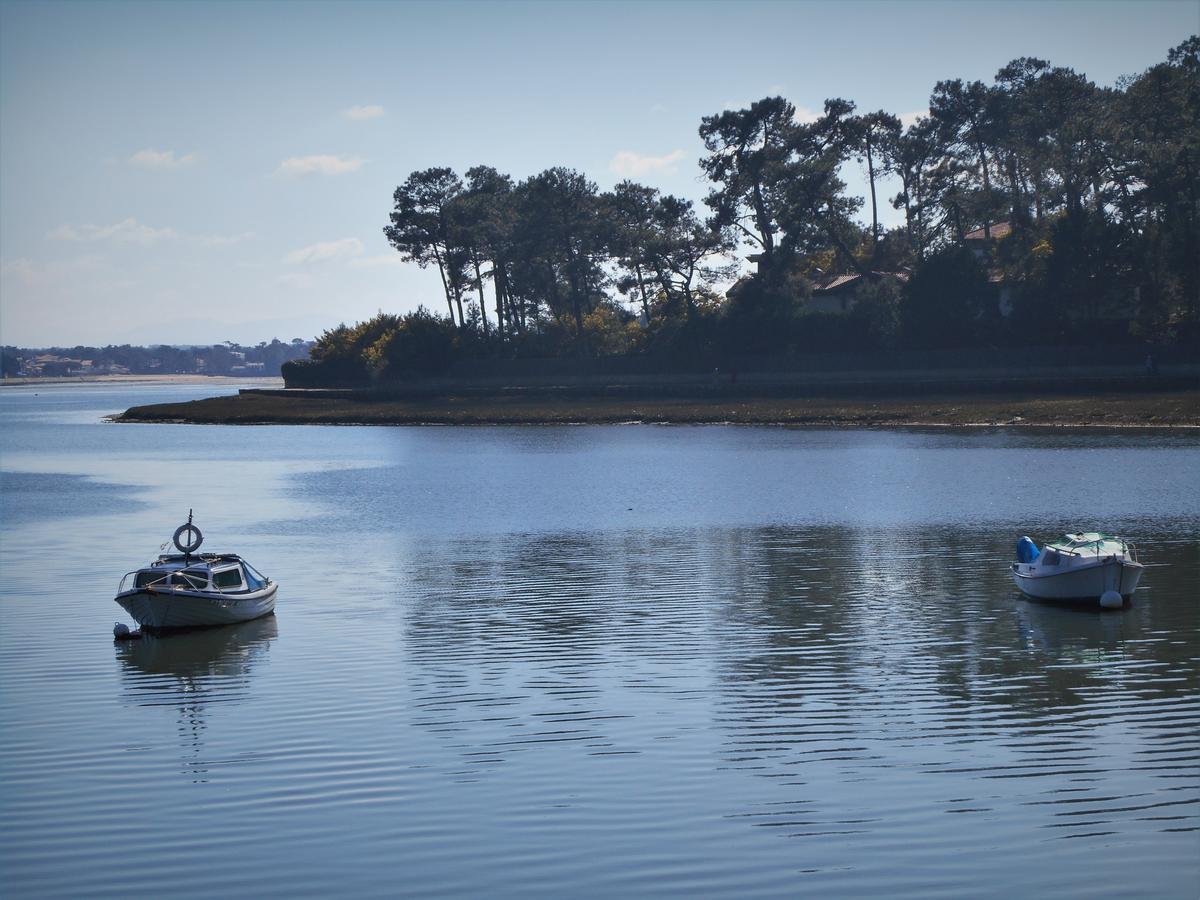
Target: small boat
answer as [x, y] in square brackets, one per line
[193, 590]
[1085, 566]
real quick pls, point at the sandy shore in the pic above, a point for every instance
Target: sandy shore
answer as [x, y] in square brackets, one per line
[1122, 410]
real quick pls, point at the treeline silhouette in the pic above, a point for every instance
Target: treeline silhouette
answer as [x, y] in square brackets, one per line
[1041, 209]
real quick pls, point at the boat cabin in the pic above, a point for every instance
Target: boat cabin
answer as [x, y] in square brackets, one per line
[210, 572]
[1091, 543]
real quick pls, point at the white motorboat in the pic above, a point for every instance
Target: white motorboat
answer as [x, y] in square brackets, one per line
[1086, 566]
[193, 590]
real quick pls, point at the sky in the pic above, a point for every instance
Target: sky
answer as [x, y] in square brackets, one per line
[175, 172]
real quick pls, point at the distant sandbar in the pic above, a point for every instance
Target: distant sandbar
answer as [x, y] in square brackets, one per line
[144, 379]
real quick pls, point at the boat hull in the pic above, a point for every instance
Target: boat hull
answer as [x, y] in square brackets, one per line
[161, 610]
[1086, 582]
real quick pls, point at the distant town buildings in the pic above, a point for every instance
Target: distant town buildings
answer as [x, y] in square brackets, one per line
[50, 365]
[264, 359]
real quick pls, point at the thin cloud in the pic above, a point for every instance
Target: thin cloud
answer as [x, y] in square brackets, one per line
[128, 231]
[909, 119]
[223, 240]
[628, 164]
[131, 231]
[325, 251]
[323, 164]
[362, 113]
[161, 159]
[375, 262]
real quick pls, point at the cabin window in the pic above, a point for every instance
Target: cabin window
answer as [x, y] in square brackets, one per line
[195, 578]
[144, 579]
[229, 578]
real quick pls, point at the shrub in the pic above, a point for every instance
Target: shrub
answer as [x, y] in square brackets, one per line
[421, 344]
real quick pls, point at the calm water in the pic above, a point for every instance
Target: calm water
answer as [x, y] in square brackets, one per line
[594, 661]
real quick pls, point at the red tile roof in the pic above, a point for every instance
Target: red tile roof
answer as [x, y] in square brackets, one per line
[829, 282]
[997, 230]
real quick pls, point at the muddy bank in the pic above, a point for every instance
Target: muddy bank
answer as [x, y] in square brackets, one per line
[1114, 410]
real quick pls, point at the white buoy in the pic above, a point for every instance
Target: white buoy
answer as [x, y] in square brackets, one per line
[1111, 600]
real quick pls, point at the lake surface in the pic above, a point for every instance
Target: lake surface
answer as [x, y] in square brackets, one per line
[594, 662]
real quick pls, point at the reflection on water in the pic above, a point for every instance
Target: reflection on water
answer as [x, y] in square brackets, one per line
[213, 657]
[723, 662]
[191, 671]
[872, 681]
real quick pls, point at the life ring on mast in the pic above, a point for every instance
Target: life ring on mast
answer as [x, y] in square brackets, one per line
[196, 538]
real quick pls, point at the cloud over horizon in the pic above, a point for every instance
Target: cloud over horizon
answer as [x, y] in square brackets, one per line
[127, 231]
[325, 251]
[161, 159]
[320, 164]
[633, 165]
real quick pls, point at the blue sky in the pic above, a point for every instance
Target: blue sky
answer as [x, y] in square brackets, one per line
[179, 172]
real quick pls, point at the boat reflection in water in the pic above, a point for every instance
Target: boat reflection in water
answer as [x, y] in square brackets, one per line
[195, 672]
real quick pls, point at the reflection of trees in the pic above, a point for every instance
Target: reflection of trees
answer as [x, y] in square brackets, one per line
[936, 609]
[846, 621]
[569, 595]
[556, 636]
[822, 662]
[193, 669]
[850, 654]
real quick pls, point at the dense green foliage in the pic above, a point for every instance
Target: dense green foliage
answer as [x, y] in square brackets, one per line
[1095, 190]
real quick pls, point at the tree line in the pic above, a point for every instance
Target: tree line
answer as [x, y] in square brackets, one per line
[1098, 190]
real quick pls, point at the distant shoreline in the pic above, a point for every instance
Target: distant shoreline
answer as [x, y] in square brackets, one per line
[140, 379]
[1166, 409]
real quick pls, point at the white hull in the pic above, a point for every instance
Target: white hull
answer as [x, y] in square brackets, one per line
[182, 609]
[1080, 582]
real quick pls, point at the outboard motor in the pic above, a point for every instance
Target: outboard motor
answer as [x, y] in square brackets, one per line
[1027, 550]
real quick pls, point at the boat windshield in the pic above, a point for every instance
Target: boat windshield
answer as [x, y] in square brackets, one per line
[1091, 543]
[149, 577]
[195, 578]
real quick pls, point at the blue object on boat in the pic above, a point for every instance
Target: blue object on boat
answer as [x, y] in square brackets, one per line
[1027, 550]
